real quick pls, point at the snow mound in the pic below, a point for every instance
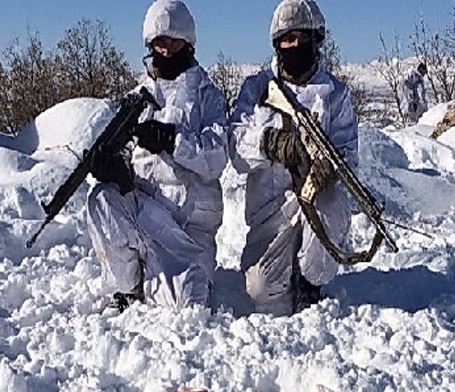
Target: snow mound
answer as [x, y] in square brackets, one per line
[71, 126]
[385, 326]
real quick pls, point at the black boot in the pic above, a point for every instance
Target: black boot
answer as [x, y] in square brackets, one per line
[304, 294]
[121, 301]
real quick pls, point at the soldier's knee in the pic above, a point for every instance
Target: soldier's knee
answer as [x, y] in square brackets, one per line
[268, 295]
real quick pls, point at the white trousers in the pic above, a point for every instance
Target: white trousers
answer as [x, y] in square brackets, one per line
[272, 247]
[135, 232]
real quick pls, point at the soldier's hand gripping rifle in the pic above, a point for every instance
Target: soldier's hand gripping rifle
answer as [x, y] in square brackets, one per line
[319, 147]
[117, 134]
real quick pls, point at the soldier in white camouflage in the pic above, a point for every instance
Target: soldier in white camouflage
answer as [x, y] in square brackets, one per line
[413, 95]
[154, 215]
[284, 262]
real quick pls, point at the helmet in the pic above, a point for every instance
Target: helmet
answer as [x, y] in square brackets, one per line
[422, 68]
[297, 15]
[169, 18]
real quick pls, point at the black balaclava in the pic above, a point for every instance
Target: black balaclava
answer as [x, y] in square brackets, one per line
[298, 63]
[170, 67]
[297, 60]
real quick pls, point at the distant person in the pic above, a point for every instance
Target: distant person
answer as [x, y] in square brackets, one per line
[154, 216]
[414, 101]
[284, 262]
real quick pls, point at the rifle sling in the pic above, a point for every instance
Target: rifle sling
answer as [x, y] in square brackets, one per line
[340, 256]
[312, 216]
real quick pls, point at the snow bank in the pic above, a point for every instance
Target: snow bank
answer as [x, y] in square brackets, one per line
[387, 326]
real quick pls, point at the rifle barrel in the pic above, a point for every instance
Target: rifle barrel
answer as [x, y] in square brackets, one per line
[117, 133]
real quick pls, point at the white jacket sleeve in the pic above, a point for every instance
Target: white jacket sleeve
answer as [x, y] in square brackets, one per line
[344, 128]
[248, 124]
[204, 150]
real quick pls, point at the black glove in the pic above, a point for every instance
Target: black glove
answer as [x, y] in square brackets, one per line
[129, 99]
[285, 147]
[155, 136]
[109, 167]
[322, 174]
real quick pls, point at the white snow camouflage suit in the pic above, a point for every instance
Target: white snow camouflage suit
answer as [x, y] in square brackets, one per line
[169, 221]
[413, 97]
[278, 230]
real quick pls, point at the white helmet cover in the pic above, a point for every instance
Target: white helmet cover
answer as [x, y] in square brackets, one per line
[169, 18]
[296, 15]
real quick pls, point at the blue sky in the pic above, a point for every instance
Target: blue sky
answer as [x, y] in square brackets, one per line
[238, 28]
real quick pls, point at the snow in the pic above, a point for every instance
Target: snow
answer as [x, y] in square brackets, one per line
[385, 326]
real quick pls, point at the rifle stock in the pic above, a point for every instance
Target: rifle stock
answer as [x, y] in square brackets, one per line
[319, 146]
[116, 134]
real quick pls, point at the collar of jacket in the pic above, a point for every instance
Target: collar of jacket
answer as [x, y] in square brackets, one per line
[303, 79]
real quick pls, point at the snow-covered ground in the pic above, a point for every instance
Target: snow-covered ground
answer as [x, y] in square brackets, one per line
[387, 326]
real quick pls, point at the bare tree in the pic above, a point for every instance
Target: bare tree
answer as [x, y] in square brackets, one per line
[390, 67]
[227, 75]
[85, 63]
[437, 51]
[90, 65]
[332, 62]
[4, 91]
[267, 63]
[331, 53]
[359, 97]
[28, 80]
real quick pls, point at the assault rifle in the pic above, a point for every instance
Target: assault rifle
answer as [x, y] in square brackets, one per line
[319, 147]
[116, 134]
